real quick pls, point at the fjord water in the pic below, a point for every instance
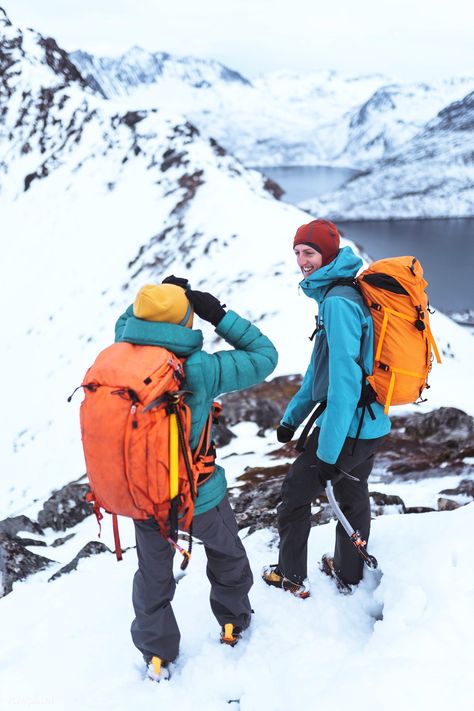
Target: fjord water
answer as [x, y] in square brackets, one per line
[445, 248]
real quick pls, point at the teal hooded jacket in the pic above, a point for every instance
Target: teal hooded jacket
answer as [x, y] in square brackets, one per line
[343, 352]
[207, 375]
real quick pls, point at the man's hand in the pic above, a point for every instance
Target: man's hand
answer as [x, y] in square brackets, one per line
[177, 281]
[206, 306]
[326, 472]
[285, 433]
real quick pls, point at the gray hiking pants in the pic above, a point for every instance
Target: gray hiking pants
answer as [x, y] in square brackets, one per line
[302, 485]
[154, 629]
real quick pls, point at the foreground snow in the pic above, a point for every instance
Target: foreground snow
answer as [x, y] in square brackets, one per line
[68, 643]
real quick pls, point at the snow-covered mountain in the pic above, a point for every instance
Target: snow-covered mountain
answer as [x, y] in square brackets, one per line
[396, 113]
[97, 202]
[281, 118]
[432, 175]
[122, 75]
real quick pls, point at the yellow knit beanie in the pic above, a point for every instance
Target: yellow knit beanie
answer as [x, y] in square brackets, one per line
[163, 302]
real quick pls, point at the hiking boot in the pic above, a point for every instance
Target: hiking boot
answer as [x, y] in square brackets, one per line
[230, 634]
[272, 575]
[157, 669]
[326, 566]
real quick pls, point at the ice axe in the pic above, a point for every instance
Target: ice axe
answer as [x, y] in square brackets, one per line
[355, 537]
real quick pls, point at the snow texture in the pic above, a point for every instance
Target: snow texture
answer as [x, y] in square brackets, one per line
[97, 200]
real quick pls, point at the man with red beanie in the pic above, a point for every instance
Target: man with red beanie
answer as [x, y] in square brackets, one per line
[347, 434]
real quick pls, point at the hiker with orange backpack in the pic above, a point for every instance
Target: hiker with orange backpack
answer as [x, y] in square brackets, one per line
[348, 430]
[162, 316]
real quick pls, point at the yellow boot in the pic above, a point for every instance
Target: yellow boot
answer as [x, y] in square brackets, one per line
[157, 669]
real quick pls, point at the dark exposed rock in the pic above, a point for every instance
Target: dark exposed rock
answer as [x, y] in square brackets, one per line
[190, 183]
[262, 474]
[273, 188]
[221, 434]
[61, 541]
[379, 500]
[466, 487]
[263, 404]
[324, 515]
[418, 509]
[448, 424]
[31, 541]
[91, 548]
[423, 445]
[445, 504]
[255, 502]
[131, 118]
[4, 19]
[171, 157]
[458, 116]
[59, 61]
[286, 451]
[29, 179]
[217, 148]
[186, 129]
[17, 562]
[14, 524]
[65, 508]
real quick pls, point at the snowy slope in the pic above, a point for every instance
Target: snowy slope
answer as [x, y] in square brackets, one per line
[97, 200]
[400, 641]
[432, 175]
[120, 200]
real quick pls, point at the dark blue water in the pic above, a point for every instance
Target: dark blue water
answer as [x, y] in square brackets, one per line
[306, 181]
[445, 248]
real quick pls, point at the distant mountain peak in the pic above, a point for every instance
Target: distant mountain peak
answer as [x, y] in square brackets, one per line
[119, 76]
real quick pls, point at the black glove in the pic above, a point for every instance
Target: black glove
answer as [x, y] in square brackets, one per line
[206, 306]
[326, 472]
[285, 433]
[177, 281]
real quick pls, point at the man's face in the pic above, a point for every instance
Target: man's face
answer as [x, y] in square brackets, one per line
[308, 259]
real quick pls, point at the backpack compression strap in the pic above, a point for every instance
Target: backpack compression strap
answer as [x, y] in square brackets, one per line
[204, 456]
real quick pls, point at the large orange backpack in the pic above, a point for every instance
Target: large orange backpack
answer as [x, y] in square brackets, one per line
[135, 433]
[394, 291]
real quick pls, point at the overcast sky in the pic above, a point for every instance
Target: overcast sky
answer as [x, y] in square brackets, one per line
[400, 38]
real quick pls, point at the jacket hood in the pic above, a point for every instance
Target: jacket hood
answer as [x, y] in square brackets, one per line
[180, 340]
[345, 266]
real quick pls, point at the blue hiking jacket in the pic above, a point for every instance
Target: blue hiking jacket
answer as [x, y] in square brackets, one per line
[207, 375]
[343, 351]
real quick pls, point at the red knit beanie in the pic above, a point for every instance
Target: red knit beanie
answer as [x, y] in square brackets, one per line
[322, 236]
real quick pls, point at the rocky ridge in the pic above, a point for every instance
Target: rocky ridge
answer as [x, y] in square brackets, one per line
[419, 446]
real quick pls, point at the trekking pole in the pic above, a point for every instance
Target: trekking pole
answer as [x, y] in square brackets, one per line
[355, 537]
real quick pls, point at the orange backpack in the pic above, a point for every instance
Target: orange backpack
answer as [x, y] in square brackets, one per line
[135, 434]
[394, 291]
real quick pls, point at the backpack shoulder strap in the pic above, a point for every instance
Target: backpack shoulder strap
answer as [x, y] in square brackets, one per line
[342, 282]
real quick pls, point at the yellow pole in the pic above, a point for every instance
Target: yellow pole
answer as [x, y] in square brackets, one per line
[174, 455]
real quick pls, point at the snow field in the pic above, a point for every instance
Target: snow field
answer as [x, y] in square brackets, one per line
[69, 645]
